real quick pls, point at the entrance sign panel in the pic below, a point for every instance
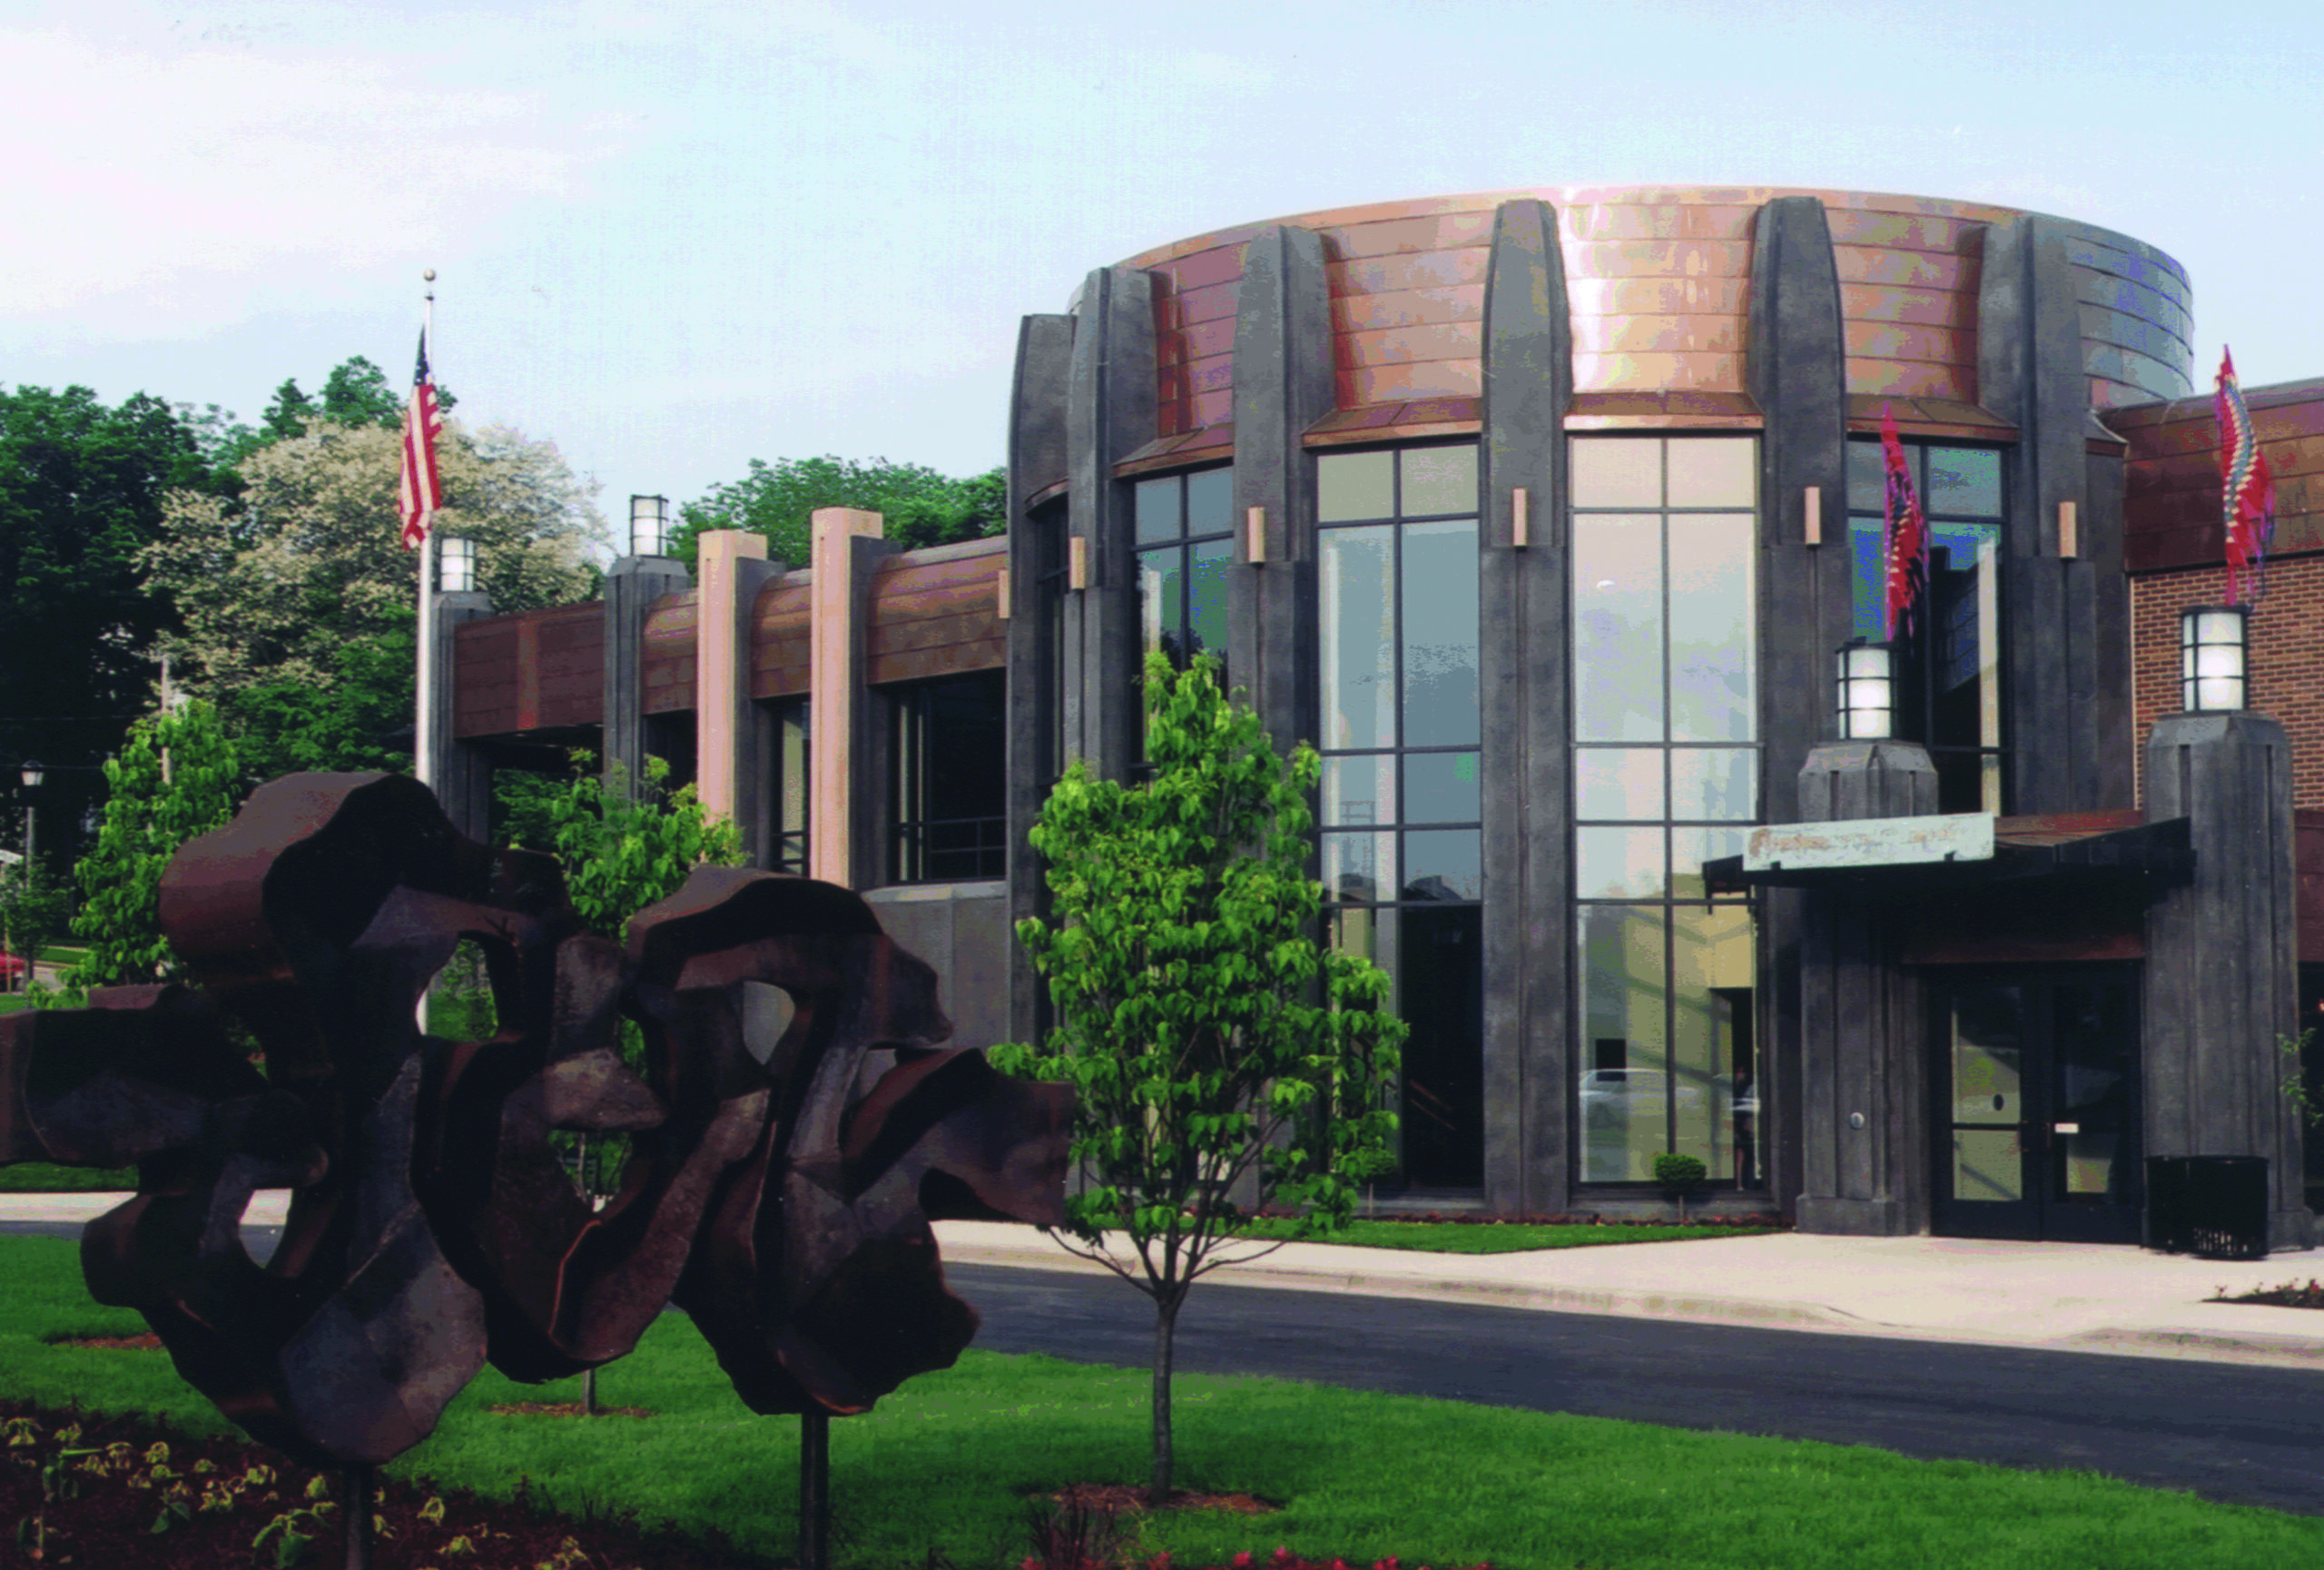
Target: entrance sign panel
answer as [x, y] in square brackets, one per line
[1871, 843]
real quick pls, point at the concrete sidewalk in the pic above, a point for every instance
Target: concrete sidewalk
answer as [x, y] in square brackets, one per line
[2066, 1296]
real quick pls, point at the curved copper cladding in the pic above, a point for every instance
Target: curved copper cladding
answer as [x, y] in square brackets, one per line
[1658, 280]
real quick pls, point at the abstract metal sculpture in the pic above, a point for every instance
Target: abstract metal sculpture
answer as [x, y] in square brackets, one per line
[780, 1189]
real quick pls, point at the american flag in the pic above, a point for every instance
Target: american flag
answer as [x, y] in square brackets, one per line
[422, 492]
[1908, 534]
[2247, 487]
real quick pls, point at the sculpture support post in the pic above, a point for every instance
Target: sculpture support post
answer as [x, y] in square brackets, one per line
[814, 1490]
[360, 1488]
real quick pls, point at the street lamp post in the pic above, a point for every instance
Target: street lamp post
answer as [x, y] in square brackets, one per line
[31, 776]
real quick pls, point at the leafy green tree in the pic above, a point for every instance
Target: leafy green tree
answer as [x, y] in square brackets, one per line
[283, 727]
[152, 807]
[1212, 1043]
[777, 500]
[31, 912]
[355, 392]
[625, 849]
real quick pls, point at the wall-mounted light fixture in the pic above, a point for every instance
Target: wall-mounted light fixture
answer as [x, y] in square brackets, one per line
[2211, 641]
[1254, 531]
[1521, 506]
[649, 525]
[455, 564]
[1811, 507]
[1867, 691]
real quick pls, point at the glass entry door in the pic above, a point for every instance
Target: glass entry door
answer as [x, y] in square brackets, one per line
[2037, 1101]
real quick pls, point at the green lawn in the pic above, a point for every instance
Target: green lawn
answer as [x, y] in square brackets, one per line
[946, 1464]
[1497, 1238]
[41, 1177]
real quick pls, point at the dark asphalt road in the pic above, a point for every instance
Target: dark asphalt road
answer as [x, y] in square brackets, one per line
[2249, 1436]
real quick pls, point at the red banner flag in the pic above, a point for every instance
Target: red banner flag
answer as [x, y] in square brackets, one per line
[1907, 534]
[2247, 488]
[422, 494]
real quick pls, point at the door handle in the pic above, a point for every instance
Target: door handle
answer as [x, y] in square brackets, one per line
[2065, 1128]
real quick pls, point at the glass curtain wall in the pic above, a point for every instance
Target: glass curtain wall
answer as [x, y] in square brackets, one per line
[1184, 526]
[1666, 764]
[1402, 853]
[1950, 690]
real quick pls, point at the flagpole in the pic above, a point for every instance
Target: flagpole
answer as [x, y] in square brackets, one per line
[422, 764]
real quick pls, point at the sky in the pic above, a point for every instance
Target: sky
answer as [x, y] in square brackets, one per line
[672, 238]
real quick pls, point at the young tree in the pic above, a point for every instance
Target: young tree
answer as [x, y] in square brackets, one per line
[1210, 1039]
[31, 912]
[921, 507]
[150, 811]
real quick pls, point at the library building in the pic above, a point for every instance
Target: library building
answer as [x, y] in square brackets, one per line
[1925, 831]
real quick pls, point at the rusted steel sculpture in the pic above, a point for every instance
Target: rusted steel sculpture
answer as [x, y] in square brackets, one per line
[781, 1190]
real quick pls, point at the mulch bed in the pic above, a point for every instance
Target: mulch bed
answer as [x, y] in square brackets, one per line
[2290, 1295]
[123, 1474]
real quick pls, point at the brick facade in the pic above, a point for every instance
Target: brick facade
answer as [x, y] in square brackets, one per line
[2286, 661]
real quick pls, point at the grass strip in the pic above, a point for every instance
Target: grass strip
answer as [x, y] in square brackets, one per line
[1499, 1238]
[947, 1464]
[42, 1177]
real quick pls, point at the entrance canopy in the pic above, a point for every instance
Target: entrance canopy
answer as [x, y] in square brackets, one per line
[1960, 850]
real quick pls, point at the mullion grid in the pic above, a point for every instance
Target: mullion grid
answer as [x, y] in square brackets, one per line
[1179, 547]
[1666, 829]
[1397, 753]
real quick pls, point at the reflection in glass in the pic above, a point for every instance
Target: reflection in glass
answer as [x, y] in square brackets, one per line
[1618, 627]
[1355, 485]
[1988, 1031]
[1713, 690]
[1161, 604]
[1441, 787]
[1359, 637]
[1623, 1092]
[1157, 508]
[1360, 790]
[1444, 864]
[1716, 783]
[1988, 1164]
[1359, 866]
[1616, 471]
[1617, 863]
[1440, 479]
[1711, 962]
[1618, 783]
[1713, 471]
[1439, 993]
[1963, 481]
[2093, 1048]
[1440, 606]
[1210, 501]
[1208, 592]
[1867, 477]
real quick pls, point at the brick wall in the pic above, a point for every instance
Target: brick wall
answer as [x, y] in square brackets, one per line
[2286, 660]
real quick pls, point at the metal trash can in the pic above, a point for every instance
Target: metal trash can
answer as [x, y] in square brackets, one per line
[2213, 1206]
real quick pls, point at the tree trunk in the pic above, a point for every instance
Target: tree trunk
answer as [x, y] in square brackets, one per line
[1166, 1328]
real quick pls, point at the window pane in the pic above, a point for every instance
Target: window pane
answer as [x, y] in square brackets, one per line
[1963, 479]
[1161, 601]
[1440, 479]
[1617, 863]
[1439, 604]
[1444, 864]
[1616, 471]
[1713, 693]
[1158, 509]
[1868, 479]
[1623, 1090]
[1721, 784]
[1206, 594]
[1360, 790]
[1354, 485]
[1210, 501]
[1441, 995]
[1690, 847]
[1618, 627]
[1359, 638]
[1359, 867]
[1867, 568]
[1618, 783]
[1368, 934]
[1712, 972]
[1713, 470]
[1441, 787]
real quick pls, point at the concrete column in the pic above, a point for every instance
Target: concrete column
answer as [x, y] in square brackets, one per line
[2220, 979]
[1528, 947]
[846, 544]
[1283, 385]
[632, 586]
[462, 774]
[1037, 460]
[728, 747]
[1110, 414]
[2066, 621]
[1863, 1103]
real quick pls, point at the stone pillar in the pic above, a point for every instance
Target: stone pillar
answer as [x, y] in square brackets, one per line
[2067, 646]
[1283, 385]
[729, 749]
[1528, 948]
[1798, 368]
[846, 545]
[632, 586]
[1110, 400]
[1037, 460]
[462, 774]
[1863, 1104]
[2220, 979]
